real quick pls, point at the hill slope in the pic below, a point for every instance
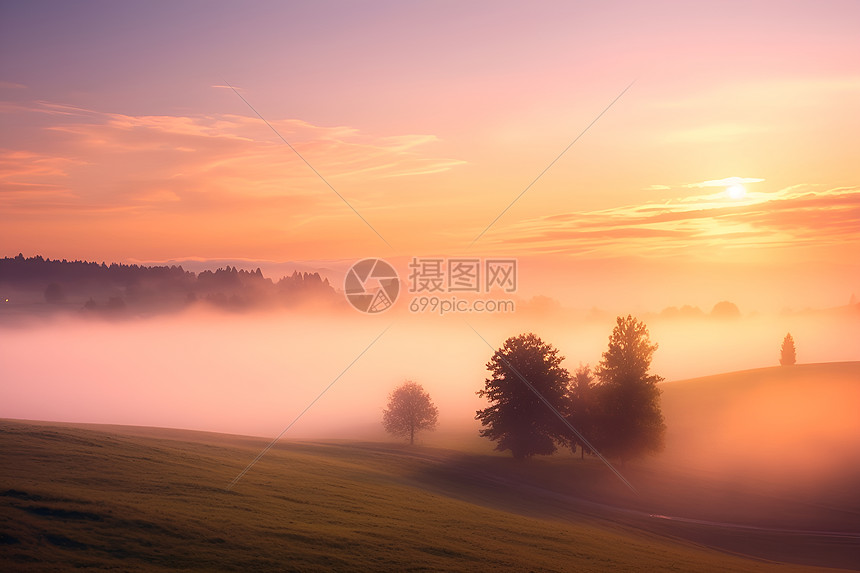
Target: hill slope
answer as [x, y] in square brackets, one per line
[139, 499]
[784, 425]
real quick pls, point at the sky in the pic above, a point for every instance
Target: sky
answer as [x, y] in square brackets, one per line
[730, 151]
[631, 156]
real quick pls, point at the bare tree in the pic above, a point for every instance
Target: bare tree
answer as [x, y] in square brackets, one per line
[409, 410]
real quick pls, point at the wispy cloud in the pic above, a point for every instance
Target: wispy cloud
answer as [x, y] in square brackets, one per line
[90, 158]
[726, 182]
[801, 216]
[718, 183]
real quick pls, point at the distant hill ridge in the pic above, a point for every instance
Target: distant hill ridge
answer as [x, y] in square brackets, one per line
[753, 374]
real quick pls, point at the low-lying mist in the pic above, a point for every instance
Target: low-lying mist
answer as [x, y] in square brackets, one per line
[785, 425]
[254, 373]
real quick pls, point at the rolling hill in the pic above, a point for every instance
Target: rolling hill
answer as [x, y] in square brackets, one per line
[149, 499]
[795, 425]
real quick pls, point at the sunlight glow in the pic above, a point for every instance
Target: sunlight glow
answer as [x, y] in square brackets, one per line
[736, 191]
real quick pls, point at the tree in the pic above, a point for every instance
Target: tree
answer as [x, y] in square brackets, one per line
[409, 410]
[517, 419]
[725, 309]
[787, 353]
[580, 408]
[630, 422]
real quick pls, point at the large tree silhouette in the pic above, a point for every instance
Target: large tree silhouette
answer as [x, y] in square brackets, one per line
[787, 353]
[517, 419]
[630, 420]
[409, 411]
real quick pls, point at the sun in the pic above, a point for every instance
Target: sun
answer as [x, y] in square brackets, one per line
[736, 191]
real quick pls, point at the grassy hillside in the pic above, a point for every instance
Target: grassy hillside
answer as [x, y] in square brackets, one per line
[142, 499]
[795, 425]
[762, 463]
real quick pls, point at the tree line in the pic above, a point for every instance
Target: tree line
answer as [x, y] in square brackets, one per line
[100, 287]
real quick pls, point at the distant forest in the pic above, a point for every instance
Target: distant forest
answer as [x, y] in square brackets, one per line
[36, 284]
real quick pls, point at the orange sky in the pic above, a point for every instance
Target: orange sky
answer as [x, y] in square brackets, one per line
[727, 171]
[121, 142]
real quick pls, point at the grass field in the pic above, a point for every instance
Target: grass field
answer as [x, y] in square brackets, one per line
[148, 499]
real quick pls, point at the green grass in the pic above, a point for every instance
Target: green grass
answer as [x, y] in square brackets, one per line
[134, 499]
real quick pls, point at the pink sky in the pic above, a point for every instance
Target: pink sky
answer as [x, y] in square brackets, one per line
[120, 141]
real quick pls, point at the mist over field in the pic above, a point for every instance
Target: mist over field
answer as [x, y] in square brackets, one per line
[795, 427]
[253, 373]
[774, 448]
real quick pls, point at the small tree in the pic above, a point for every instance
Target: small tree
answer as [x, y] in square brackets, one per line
[630, 422]
[580, 409]
[409, 410]
[517, 419]
[787, 354]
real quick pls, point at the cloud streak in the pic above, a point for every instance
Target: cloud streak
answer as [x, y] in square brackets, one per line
[726, 182]
[103, 160]
[803, 216]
